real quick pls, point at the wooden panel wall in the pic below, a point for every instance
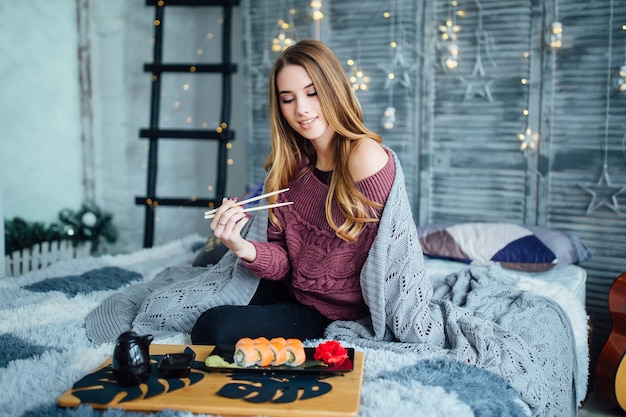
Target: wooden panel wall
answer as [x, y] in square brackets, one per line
[584, 121]
[457, 130]
[475, 167]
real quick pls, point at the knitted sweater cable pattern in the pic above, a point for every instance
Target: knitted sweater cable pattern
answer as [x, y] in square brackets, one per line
[321, 270]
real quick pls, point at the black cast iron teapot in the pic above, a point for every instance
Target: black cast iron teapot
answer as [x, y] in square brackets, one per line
[131, 359]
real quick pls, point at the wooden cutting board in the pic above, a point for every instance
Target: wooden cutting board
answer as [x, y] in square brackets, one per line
[198, 394]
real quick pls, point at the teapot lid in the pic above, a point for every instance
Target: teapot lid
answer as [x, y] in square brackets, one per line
[129, 335]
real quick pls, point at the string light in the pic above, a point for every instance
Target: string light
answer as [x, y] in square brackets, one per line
[286, 33]
[555, 35]
[358, 79]
[282, 41]
[529, 140]
[397, 62]
[389, 118]
[620, 80]
[449, 35]
[316, 11]
[449, 31]
[451, 57]
[317, 16]
[180, 96]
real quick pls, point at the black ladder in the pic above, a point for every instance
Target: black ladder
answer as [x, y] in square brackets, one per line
[223, 134]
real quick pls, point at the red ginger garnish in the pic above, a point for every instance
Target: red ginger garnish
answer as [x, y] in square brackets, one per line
[331, 353]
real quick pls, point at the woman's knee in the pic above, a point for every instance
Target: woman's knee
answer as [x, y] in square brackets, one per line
[210, 327]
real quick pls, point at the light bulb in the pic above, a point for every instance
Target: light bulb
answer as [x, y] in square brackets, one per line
[621, 78]
[451, 56]
[389, 118]
[556, 35]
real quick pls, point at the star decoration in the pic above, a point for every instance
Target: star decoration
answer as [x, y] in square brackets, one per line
[398, 65]
[358, 80]
[603, 193]
[476, 87]
[449, 31]
[528, 140]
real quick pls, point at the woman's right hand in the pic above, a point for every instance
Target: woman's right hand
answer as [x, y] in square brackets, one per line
[227, 224]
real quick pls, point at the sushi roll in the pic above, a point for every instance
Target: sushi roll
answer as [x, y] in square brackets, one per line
[295, 352]
[279, 351]
[265, 353]
[246, 355]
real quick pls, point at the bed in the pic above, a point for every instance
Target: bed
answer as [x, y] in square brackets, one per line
[45, 348]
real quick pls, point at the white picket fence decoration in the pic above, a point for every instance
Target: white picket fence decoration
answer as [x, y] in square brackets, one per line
[42, 255]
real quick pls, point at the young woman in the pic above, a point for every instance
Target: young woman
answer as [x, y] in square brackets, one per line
[338, 177]
[302, 266]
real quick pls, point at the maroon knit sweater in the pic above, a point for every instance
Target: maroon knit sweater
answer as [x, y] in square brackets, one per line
[321, 270]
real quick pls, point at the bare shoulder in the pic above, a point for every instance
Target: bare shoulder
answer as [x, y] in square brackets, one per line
[367, 158]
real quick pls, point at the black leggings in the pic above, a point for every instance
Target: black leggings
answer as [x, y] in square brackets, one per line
[272, 312]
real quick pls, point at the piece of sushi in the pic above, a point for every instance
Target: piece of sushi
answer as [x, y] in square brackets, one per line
[246, 355]
[266, 355]
[295, 352]
[279, 351]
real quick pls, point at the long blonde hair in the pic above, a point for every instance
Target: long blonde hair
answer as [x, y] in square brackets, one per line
[343, 113]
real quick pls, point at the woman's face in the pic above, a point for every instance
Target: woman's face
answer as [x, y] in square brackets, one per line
[300, 105]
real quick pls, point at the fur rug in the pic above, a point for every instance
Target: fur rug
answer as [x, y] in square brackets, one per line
[44, 347]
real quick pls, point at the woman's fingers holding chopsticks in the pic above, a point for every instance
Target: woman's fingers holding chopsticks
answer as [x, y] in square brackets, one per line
[229, 212]
[227, 224]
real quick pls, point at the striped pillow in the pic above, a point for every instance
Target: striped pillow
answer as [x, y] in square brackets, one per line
[523, 248]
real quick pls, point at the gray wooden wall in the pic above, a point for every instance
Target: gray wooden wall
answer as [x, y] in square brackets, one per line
[456, 131]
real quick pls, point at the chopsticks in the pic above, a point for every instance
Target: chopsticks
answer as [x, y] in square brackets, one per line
[209, 214]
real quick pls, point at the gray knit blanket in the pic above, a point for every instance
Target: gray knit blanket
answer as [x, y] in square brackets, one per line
[476, 317]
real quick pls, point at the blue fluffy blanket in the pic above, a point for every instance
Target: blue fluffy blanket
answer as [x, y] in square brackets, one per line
[44, 348]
